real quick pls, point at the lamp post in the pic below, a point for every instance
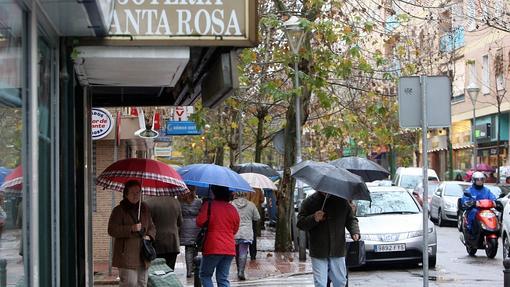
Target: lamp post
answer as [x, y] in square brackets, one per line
[296, 34]
[472, 89]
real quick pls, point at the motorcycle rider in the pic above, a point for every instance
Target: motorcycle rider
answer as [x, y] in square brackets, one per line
[476, 192]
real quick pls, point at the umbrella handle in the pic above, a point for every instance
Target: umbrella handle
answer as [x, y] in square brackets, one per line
[324, 202]
[139, 206]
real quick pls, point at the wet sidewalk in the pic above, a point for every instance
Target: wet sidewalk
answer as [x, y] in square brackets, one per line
[267, 265]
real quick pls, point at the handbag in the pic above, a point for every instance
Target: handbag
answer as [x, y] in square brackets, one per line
[201, 236]
[148, 251]
[355, 253]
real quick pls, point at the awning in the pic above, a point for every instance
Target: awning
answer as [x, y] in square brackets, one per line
[455, 147]
[130, 66]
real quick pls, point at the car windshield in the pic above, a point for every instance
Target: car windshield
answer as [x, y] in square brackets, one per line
[455, 190]
[412, 181]
[387, 202]
[494, 189]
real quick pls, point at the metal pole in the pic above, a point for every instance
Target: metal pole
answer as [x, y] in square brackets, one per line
[3, 273]
[506, 273]
[474, 137]
[115, 158]
[301, 234]
[424, 127]
[240, 145]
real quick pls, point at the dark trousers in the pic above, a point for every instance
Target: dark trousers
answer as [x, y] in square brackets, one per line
[253, 245]
[170, 258]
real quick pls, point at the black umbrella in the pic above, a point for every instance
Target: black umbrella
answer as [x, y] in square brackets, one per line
[256, 167]
[367, 169]
[327, 178]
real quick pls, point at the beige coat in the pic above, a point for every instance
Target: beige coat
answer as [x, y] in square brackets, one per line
[127, 244]
[166, 215]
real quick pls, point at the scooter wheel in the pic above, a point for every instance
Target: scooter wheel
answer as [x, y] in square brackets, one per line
[471, 251]
[491, 248]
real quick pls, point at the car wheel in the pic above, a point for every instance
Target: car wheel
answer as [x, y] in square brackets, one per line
[506, 247]
[439, 218]
[432, 261]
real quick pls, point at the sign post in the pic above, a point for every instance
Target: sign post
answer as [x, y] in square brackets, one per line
[424, 102]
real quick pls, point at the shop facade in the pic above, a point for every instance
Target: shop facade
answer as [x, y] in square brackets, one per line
[47, 91]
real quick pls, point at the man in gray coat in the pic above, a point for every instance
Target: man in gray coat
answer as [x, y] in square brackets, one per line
[326, 228]
[166, 215]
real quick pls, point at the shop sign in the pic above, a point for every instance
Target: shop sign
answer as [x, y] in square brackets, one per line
[102, 123]
[163, 151]
[184, 128]
[217, 21]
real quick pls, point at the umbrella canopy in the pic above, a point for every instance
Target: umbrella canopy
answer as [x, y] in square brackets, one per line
[330, 179]
[205, 175]
[14, 180]
[258, 181]
[156, 178]
[484, 167]
[255, 167]
[367, 169]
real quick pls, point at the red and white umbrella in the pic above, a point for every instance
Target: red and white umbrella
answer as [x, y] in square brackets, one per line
[14, 180]
[156, 178]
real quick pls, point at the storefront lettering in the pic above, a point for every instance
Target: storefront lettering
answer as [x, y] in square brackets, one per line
[101, 123]
[179, 18]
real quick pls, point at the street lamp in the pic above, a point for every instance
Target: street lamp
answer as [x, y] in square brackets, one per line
[472, 89]
[296, 34]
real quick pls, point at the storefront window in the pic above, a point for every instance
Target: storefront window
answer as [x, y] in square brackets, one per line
[11, 182]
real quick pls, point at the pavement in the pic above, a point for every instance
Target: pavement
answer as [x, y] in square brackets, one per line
[9, 250]
[268, 265]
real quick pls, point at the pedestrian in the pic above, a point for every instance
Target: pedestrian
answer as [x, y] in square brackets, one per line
[458, 177]
[507, 180]
[167, 217]
[219, 245]
[125, 228]
[257, 198]
[248, 214]
[491, 178]
[325, 218]
[190, 206]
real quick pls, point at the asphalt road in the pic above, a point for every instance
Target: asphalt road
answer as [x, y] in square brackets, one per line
[454, 268]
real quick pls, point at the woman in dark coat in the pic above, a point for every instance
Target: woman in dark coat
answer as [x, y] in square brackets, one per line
[125, 230]
[190, 206]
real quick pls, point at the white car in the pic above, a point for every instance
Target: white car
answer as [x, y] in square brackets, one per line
[443, 205]
[410, 177]
[392, 227]
[505, 232]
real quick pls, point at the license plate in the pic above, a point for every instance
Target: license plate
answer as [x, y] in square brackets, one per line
[390, 248]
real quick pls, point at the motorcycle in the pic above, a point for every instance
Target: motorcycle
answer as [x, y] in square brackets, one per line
[486, 228]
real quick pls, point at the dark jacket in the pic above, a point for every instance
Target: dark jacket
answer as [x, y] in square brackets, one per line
[223, 225]
[189, 229]
[126, 245]
[327, 238]
[166, 215]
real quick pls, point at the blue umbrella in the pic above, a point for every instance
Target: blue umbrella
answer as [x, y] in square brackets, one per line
[205, 175]
[3, 172]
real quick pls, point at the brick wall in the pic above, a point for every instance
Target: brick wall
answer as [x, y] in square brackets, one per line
[103, 158]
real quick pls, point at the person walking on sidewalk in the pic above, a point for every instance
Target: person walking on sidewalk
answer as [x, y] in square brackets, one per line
[190, 206]
[326, 222]
[123, 227]
[219, 245]
[244, 237]
[166, 215]
[257, 198]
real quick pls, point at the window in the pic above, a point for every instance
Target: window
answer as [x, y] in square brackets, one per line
[11, 139]
[471, 15]
[485, 75]
[458, 99]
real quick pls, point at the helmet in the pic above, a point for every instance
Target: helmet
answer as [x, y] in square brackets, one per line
[477, 175]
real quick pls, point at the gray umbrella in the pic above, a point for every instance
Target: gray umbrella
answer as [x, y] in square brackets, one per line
[327, 178]
[367, 169]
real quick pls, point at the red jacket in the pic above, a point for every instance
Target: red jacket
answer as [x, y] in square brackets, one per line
[223, 226]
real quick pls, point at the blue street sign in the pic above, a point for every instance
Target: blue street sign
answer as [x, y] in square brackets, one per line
[174, 128]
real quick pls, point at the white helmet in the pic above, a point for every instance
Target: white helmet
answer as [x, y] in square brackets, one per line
[477, 175]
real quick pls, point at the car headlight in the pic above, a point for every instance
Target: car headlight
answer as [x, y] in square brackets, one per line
[450, 205]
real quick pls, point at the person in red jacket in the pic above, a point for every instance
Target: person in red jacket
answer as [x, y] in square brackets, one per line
[219, 246]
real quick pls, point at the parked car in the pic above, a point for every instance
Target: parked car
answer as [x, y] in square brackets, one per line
[307, 191]
[505, 232]
[392, 227]
[418, 191]
[443, 205]
[410, 177]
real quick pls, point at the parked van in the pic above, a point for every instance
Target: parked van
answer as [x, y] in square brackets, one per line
[410, 177]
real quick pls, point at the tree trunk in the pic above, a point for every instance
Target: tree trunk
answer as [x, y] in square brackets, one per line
[499, 139]
[285, 196]
[450, 154]
[219, 156]
[261, 115]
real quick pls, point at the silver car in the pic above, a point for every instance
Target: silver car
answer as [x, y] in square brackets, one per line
[443, 205]
[392, 227]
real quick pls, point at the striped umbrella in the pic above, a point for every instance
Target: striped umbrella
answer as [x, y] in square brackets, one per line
[14, 180]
